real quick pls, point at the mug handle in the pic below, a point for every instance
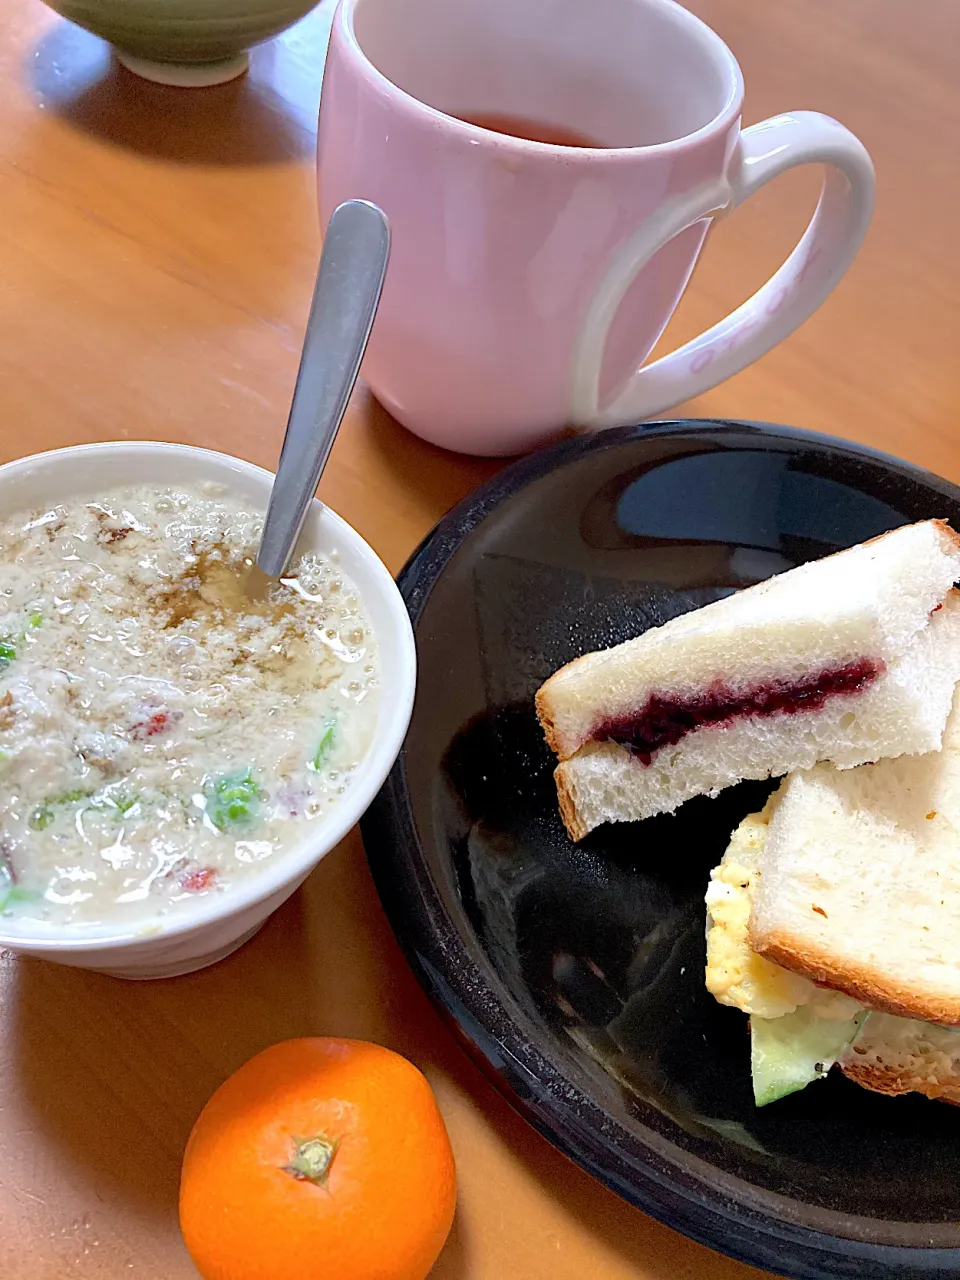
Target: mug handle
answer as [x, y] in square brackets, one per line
[814, 268]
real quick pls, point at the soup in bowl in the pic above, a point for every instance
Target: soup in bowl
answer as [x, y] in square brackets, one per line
[177, 750]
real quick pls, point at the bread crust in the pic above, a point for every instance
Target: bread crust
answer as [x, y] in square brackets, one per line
[893, 1083]
[873, 989]
[544, 715]
[943, 525]
[576, 828]
[947, 530]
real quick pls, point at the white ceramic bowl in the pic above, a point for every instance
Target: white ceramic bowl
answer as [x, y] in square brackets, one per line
[218, 925]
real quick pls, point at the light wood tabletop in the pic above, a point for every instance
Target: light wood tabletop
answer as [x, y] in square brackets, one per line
[157, 251]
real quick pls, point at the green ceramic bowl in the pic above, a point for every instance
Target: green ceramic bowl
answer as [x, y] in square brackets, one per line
[184, 41]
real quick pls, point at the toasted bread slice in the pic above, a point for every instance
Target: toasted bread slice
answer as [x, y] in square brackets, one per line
[889, 1054]
[848, 659]
[861, 882]
[735, 974]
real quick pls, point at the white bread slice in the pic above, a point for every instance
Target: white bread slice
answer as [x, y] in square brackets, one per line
[901, 1055]
[735, 974]
[868, 601]
[890, 1054]
[861, 882]
[878, 603]
[903, 711]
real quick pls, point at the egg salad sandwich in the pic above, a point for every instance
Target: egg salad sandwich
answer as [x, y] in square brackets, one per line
[834, 922]
[848, 659]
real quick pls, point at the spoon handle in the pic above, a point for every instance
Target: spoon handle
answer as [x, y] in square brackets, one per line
[345, 299]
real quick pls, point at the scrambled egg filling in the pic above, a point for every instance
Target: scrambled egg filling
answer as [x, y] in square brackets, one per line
[735, 974]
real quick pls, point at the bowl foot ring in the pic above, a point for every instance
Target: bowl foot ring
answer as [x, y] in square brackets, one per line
[186, 75]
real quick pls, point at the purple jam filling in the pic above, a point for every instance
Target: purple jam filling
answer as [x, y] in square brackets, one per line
[666, 718]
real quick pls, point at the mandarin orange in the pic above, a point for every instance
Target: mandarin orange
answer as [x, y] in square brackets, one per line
[319, 1158]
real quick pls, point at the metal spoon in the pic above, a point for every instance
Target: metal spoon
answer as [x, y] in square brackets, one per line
[345, 299]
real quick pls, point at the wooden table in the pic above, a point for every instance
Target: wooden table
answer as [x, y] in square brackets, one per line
[157, 250]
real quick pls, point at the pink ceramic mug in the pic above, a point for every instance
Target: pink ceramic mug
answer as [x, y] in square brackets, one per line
[529, 281]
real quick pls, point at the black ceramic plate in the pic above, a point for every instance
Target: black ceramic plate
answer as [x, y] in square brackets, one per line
[574, 973]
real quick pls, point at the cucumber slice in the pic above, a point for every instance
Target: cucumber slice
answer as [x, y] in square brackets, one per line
[790, 1052]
